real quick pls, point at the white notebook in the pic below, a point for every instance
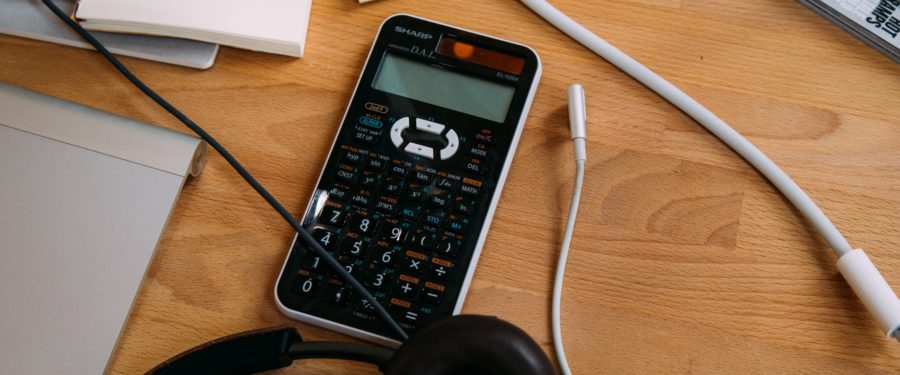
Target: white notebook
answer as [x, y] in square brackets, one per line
[275, 26]
[31, 19]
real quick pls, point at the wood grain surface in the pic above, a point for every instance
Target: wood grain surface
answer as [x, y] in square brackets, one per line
[685, 260]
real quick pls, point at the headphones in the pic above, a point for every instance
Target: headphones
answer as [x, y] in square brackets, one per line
[457, 345]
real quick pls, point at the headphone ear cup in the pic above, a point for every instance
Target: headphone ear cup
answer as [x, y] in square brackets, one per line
[470, 345]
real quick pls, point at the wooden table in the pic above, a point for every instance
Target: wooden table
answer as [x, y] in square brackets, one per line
[684, 260]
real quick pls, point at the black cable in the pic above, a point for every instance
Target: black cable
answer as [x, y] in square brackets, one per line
[329, 260]
[342, 350]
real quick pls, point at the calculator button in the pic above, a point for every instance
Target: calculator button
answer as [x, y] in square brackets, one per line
[356, 246]
[411, 212]
[370, 122]
[338, 193]
[362, 224]
[376, 163]
[429, 126]
[336, 294]
[452, 145]
[326, 238]
[423, 177]
[308, 286]
[440, 269]
[440, 201]
[485, 136]
[311, 262]
[420, 150]
[447, 247]
[377, 280]
[407, 286]
[432, 293]
[384, 256]
[463, 207]
[423, 240]
[395, 231]
[469, 190]
[410, 317]
[333, 216]
[352, 157]
[435, 218]
[369, 179]
[399, 170]
[458, 224]
[393, 186]
[417, 192]
[377, 108]
[474, 166]
[397, 131]
[414, 262]
[447, 184]
[346, 175]
[363, 305]
[359, 199]
[387, 205]
[351, 268]
[479, 151]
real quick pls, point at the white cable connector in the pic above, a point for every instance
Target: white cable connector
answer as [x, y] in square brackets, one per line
[578, 120]
[872, 289]
[578, 129]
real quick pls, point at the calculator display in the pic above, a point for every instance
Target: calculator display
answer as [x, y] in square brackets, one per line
[443, 87]
[410, 185]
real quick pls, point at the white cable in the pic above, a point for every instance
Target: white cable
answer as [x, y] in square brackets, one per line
[699, 113]
[868, 284]
[578, 129]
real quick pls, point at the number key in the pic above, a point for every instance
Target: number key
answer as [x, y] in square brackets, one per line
[311, 262]
[308, 286]
[362, 224]
[326, 238]
[384, 256]
[333, 216]
[376, 280]
[356, 246]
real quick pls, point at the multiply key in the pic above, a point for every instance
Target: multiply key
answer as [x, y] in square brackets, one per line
[414, 261]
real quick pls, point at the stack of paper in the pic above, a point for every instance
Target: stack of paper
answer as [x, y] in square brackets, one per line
[275, 26]
[875, 22]
[31, 19]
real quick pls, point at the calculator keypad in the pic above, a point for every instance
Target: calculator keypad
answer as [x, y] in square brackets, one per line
[397, 226]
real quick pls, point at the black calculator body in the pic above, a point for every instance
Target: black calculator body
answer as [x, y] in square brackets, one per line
[409, 188]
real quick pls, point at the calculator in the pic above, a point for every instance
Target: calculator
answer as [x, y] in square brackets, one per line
[410, 184]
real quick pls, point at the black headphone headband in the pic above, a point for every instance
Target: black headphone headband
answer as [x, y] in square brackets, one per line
[464, 344]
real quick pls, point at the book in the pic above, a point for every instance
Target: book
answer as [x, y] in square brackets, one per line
[31, 19]
[875, 22]
[274, 26]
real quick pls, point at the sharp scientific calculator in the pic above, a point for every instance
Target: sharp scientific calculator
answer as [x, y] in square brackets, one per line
[409, 188]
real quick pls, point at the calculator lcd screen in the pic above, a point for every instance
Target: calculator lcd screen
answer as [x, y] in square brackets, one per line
[441, 87]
